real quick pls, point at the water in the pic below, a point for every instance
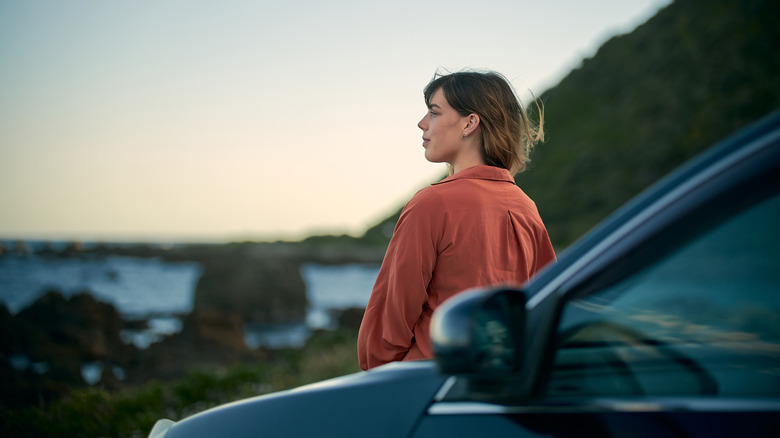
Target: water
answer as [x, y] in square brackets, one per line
[329, 288]
[137, 287]
[161, 291]
[336, 287]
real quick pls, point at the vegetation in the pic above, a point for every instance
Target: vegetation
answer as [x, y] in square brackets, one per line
[649, 100]
[96, 412]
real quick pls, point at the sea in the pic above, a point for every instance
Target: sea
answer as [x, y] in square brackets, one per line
[161, 292]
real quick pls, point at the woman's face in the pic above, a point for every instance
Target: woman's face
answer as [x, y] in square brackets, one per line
[442, 128]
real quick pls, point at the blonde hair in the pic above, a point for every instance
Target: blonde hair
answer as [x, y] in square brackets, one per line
[508, 135]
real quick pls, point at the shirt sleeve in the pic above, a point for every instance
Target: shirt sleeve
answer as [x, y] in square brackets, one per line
[400, 292]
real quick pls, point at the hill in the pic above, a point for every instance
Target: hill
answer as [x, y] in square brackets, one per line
[643, 104]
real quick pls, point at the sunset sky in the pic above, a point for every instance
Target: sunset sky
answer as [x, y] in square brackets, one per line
[193, 120]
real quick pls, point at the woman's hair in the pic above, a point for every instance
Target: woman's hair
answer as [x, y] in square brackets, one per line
[508, 135]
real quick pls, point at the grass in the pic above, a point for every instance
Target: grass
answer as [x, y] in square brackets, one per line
[96, 412]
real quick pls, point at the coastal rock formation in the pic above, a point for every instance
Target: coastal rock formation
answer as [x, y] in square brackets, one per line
[79, 328]
[6, 331]
[208, 338]
[212, 328]
[351, 318]
[45, 345]
[258, 289]
[59, 343]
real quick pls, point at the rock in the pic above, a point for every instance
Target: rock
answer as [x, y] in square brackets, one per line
[351, 318]
[109, 380]
[19, 388]
[212, 327]
[258, 289]
[50, 340]
[78, 329]
[208, 338]
[7, 331]
[136, 324]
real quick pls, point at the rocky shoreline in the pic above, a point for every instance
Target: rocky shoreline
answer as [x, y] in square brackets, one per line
[44, 347]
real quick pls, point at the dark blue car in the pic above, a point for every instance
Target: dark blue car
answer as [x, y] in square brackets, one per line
[662, 321]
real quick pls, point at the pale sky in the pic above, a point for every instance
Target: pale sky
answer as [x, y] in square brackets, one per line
[194, 120]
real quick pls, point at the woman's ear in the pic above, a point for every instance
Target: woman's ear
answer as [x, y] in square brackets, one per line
[472, 123]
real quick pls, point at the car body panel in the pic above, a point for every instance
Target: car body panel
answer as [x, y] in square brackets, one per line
[642, 421]
[387, 401]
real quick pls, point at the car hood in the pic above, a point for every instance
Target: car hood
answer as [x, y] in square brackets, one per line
[386, 401]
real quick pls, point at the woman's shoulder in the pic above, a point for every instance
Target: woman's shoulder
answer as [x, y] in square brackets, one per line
[425, 197]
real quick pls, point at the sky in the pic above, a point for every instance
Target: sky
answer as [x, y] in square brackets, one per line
[216, 121]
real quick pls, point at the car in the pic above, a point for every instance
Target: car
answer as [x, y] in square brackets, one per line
[664, 320]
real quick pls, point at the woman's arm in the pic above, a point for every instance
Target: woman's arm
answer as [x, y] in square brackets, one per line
[396, 303]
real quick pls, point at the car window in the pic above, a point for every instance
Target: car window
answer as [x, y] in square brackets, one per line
[701, 319]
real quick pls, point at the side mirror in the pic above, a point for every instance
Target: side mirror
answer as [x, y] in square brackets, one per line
[480, 332]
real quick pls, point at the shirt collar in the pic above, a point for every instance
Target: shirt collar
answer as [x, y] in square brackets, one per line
[481, 172]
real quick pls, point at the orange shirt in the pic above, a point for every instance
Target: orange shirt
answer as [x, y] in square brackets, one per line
[474, 228]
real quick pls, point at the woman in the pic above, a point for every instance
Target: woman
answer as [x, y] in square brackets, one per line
[474, 228]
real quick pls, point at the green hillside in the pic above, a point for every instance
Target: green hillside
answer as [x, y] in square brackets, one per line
[646, 102]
